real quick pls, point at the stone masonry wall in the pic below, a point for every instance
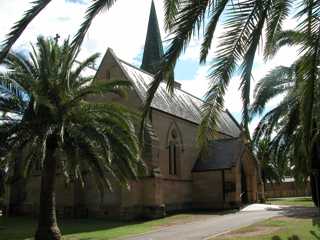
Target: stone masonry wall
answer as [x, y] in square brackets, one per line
[286, 189]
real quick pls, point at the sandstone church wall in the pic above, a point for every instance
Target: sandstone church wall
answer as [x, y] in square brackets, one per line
[223, 192]
[176, 189]
[251, 176]
[188, 151]
[64, 196]
[177, 194]
[207, 196]
[232, 187]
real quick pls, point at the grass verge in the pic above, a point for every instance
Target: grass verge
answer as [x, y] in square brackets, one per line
[19, 228]
[282, 228]
[297, 201]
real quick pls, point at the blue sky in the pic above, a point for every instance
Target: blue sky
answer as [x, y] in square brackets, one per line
[124, 29]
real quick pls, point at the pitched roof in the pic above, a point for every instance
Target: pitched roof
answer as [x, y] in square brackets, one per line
[222, 154]
[153, 49]
[180, 104]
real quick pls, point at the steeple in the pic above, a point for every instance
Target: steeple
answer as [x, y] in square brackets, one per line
[153, 50]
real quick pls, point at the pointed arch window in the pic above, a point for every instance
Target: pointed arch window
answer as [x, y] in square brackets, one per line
[172, 158]
[173, 152]
[108, 75]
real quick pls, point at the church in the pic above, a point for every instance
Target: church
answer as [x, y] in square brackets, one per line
[177, 178]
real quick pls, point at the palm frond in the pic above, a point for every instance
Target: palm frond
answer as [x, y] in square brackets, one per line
[276, 82]
[21, 25]
[278, 13]
[215, 15]
[84, 64]
[171, 9]
[93, 10]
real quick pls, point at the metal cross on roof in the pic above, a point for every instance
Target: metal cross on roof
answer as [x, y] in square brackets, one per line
[56, 38]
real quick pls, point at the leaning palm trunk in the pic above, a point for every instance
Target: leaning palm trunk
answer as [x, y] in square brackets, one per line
[47, 225]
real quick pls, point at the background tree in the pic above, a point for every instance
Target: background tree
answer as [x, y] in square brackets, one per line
[72, 133]
[271, 171]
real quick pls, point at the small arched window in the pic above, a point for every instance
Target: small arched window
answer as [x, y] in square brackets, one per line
[173, 150]
[108, 75]
[172, 158]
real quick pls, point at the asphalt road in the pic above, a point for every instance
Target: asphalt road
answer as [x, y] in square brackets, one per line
[210, 227]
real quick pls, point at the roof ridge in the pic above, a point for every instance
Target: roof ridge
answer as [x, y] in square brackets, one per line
[233, 118]
[191, 95]
[131, 65]
[226, 139]
[152, 75]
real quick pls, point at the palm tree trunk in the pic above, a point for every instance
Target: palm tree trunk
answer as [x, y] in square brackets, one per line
[17, 188]
[315, 174]
[17, 196]
[47, 222]
[315, 188]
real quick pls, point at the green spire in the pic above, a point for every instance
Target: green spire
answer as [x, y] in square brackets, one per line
[153, 50]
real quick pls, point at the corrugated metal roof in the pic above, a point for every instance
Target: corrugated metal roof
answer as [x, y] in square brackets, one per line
[180, 104]
[222, 154]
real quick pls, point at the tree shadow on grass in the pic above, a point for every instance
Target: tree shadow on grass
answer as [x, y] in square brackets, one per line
[316, 222]
[293, 237]
[315, 234]
[297, 212]
[296, 237]
[21, 228]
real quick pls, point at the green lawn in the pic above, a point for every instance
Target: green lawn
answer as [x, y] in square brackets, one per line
[86, 229]
[299, 227]
[297, 201]
[278, 229]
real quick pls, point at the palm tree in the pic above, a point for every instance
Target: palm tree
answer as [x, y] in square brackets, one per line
[61, 130]
[283, 125]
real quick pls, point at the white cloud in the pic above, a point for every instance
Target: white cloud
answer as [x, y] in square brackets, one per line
[48, 23]
[199, 85]
[122, 28]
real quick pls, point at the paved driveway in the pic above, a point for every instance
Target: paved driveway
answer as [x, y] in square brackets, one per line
[210, 227]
